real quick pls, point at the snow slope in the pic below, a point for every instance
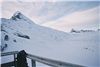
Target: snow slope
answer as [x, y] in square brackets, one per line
[77, 48]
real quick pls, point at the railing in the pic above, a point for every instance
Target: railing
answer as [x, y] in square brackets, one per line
[49, 62]
[12, 63]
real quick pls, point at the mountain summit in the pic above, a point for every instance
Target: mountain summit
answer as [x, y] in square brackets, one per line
[17, 16]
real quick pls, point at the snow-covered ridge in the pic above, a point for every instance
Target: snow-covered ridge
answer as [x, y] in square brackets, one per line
[20, 25]
[20, 33]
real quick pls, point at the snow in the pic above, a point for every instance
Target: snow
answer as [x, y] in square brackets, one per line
[77, 48]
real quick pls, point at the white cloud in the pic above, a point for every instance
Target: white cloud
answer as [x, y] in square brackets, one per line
[46, 12]
[77, 20]
[1, 1]
[64, 0]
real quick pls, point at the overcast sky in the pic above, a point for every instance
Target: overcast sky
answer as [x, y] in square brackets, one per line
[60, 15]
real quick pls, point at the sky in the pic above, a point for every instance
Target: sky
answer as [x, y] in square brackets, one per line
[57, 14]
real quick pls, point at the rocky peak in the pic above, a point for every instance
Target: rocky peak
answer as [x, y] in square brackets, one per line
[17, 15]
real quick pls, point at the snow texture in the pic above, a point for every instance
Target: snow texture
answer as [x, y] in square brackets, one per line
[77, 48]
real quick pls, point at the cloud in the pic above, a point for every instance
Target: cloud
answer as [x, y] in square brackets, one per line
[48, 10]
[0, 1]
[53, 11]
[48, 0]
[51, 14]
[79, 19]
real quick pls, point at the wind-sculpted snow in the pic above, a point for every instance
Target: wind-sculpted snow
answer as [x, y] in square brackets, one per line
[77, 48]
